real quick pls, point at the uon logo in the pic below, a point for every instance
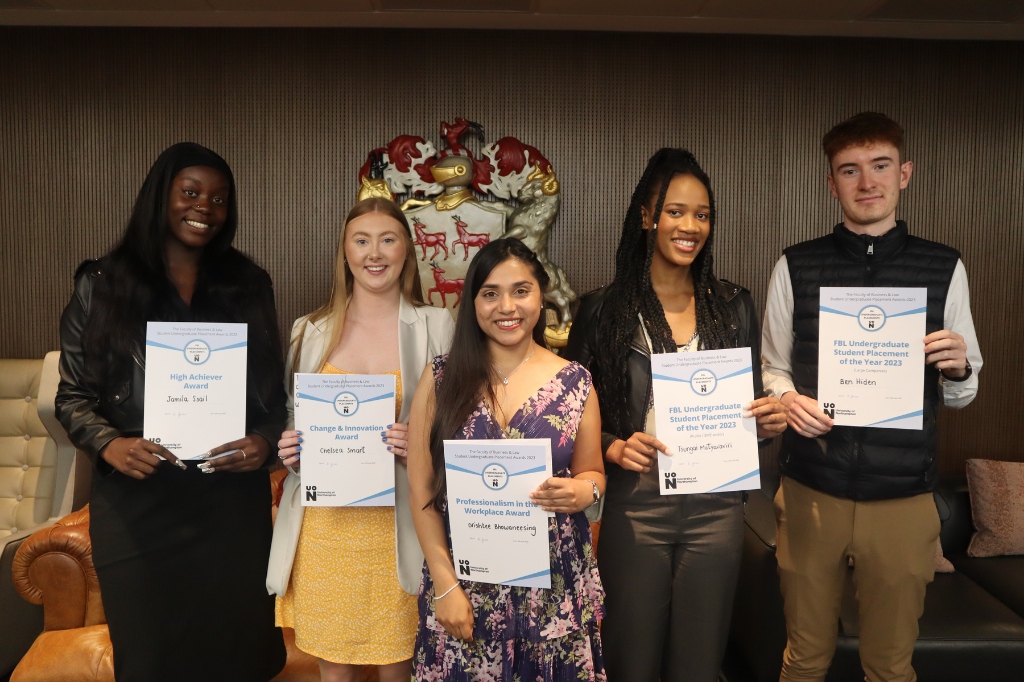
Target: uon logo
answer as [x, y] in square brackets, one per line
[829, 409]
[871, 318]
[154, 440]
[197, 352]
[310, 493]
[495, 476]
[463, 567]
[703, 382]
[346, 404]
[670, 480]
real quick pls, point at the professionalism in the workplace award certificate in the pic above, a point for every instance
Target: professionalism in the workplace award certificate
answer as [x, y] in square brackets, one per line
[871, 356]
[698, 408]
[195, 385]
[345, 462]
[498, 535]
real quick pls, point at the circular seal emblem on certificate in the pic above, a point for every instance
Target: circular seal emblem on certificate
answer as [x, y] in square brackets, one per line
[495, 476]
[703, 382]
[197, 352]
[346, 404]
[871, 318]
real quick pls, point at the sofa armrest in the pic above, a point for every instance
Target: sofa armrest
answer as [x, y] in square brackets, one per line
[20, 621]
[53, 567]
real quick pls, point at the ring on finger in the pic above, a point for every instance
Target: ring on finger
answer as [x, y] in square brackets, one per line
[243, 455]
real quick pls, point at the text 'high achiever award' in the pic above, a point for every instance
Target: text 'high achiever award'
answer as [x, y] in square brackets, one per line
[195, 385]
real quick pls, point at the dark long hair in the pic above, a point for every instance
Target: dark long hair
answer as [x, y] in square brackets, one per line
[134, 285]
[469, 374]
[632, 292]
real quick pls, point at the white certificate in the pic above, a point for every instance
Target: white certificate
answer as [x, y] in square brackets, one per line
[345, 461]
[871, 356]
[195, 385]
[498, 535]
[698, 408]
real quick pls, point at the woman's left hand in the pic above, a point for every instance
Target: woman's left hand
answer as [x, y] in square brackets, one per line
[771, 416]
[397, 440]
[253, 450]
[567, 495]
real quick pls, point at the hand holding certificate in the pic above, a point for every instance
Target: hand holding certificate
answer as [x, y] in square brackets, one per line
[345, 462]
[195, 386]
[871, 356]
[498, 534]
[698, 406]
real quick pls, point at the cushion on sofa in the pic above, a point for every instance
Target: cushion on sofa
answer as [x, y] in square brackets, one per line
[997, 507]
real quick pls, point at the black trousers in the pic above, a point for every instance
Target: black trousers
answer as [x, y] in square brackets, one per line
[669, 567]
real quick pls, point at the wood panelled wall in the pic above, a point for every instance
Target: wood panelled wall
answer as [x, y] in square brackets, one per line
[83, 112]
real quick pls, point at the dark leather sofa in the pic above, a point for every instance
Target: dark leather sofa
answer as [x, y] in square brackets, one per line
[973, 624]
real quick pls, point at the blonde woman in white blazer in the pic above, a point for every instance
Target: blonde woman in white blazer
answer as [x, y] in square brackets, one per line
[347, 578]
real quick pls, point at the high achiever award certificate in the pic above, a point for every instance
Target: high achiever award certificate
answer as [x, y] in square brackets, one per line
[698, 412]
[345, 463]
[871, 356]
[498, 534]
[195, 385]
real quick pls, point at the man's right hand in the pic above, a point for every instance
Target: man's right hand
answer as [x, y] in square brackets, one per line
[805, 417]
[638, 453]
[137, 457]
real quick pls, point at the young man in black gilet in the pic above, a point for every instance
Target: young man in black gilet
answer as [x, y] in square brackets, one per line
[858, 492]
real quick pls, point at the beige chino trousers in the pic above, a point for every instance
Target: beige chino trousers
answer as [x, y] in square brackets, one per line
[892, 543]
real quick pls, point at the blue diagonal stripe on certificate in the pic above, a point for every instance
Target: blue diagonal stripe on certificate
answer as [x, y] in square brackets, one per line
[243, 344]
[319, 400]
[465, 471]
[902, 416]
[529, 471]
[378, 397]
[162, 345]
[538, 574]
[915, 311]
[745, 370]
[380, 494]
[755, 472]
[668, 378]
[838, 312]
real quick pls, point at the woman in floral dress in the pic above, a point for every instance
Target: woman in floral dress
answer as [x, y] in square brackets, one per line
[499, 381]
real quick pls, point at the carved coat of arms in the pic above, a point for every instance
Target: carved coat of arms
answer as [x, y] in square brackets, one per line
[457, 201]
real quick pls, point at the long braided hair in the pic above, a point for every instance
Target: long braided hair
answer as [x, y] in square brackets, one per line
[632, 292]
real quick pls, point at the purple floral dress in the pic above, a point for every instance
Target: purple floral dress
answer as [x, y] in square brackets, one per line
[524, 634]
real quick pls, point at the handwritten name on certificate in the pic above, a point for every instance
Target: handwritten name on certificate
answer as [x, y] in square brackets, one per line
[498, 534]
[698, 413]
[345, 463]
[871, 356]
[195, 385]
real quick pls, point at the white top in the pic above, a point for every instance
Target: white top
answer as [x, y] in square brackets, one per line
[777, 336]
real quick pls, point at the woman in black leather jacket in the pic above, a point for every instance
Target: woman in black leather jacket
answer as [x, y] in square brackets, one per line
[180, 550]
[669, 563]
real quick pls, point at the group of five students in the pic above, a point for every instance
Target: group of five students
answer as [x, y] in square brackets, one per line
[178, 552]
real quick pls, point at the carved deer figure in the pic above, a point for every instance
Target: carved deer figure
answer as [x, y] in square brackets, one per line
[438, 240]
[467, 238]
[445, 286]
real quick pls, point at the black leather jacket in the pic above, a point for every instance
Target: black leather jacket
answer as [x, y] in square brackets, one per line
[95, 415]
[585, 341]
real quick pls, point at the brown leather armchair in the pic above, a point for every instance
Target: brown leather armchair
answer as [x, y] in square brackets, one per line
[54, 568]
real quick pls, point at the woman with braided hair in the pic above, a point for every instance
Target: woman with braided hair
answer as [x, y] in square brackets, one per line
[669, 564]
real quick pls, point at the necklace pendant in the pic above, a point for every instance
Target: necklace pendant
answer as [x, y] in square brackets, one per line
[505, 381]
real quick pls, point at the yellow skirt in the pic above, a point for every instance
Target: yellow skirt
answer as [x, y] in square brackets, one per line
[344, 599]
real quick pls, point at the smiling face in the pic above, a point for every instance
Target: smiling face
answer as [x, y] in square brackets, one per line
[684, 223]
[867, 179]
[196, 207]
[375, 251]
[509, 303]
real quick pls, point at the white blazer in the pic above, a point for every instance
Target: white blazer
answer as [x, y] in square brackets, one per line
[423, 333]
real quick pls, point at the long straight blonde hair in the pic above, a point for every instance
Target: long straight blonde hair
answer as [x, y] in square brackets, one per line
[333, 311]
